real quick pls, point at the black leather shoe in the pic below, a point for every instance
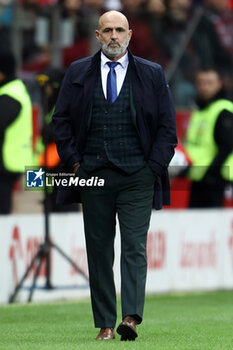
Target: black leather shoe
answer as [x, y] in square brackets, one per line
[127, 329]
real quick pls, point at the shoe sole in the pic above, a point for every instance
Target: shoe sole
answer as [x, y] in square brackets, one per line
[126, 332]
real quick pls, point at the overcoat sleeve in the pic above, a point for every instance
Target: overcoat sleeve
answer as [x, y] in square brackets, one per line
[62, 128]
[162, 149]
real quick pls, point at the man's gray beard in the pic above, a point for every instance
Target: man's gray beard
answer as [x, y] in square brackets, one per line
[114, 52]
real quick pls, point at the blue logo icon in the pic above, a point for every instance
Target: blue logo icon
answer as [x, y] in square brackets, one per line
[35, 178]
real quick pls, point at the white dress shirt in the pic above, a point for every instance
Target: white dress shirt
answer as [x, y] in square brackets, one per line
[120, 70]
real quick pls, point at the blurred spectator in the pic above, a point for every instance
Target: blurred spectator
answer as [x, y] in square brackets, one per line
[27, 15]
[74, 31]
[155, 11]
[157, 7]
[203, 48]
[143, 21]
[5, 23]
[92, 9]
[221, 15]
[209, 142]
[15, 129]
[59, 36]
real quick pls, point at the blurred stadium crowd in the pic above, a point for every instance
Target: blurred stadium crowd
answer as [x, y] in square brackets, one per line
[184, 36]
[185, 33]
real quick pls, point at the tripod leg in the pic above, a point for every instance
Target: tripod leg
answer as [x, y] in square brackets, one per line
[19, 285]
[48, 272]
[34, 279]
[70, 261]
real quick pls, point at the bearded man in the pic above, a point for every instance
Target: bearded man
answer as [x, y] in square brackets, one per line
[115, 120]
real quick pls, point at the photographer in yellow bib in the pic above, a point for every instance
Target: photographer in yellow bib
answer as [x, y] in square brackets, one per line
[209, 142]
[15, 129]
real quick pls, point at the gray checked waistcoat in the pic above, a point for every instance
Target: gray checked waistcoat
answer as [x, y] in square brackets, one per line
[112, 137]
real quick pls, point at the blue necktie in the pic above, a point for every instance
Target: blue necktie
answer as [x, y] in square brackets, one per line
[111, 82]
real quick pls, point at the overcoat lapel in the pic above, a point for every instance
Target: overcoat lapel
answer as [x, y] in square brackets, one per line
[137, 82]
[89, 85]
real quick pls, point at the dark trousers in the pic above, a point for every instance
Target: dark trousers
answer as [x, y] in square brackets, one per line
[129, 196]
[203, 195]
[7, 181]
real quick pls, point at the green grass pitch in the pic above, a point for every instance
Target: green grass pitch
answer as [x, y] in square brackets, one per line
[200, 321]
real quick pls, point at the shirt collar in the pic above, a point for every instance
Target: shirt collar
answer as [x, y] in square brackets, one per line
[123, 61]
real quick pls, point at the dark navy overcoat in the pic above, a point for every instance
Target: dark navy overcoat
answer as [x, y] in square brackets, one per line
[153, 113]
